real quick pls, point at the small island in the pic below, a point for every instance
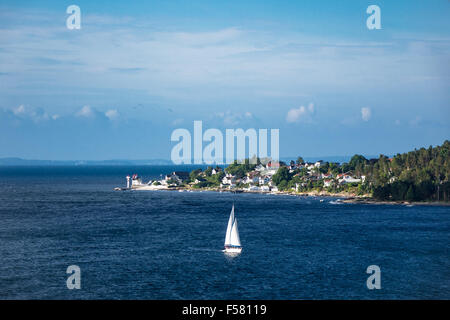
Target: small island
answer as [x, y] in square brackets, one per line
[419, 176]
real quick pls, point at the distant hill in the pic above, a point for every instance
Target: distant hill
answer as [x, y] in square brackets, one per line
[26, 162]
[14, 161]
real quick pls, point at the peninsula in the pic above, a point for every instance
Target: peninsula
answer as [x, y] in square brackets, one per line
[418, 176]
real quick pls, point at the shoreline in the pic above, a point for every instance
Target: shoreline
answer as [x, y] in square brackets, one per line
[347, 197]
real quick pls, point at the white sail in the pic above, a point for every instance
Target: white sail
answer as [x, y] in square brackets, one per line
[230, 225]
[235, 241]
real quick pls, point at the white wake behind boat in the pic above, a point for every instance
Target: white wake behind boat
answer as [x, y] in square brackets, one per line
[232, 240]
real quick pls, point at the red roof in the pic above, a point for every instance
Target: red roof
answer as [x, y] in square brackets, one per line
[275, 164]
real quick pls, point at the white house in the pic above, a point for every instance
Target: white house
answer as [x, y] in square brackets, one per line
[327, 182]
[229, 179]
[136, 181]
[264, 180]
[260, 168]
[252, 177]
[309, 166]
[348, 179]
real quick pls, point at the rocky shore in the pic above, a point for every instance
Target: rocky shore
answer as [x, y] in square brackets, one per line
[345, 197]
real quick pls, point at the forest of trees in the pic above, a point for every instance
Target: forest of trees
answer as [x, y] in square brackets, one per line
[422, 174]
[419, 175]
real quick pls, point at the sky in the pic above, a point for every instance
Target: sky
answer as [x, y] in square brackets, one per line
[137, 70]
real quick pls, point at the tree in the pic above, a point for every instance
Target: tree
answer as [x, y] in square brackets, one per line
[208, 171]
[283, 185]
[324, 167]
[410, 196]
[281, 175]
[300, 160]
[381, 193]
[194, 174]
[356, 160]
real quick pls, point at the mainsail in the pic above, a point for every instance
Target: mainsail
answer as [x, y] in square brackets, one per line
[232, 235]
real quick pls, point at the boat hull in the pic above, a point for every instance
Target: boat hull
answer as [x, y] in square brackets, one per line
[232, 250]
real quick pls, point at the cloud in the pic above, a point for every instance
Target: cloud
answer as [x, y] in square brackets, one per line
[300, 114]
[366, 113]
[112, 114]
[234, 118]
[19, 110]
[86, 111]
[35, 114]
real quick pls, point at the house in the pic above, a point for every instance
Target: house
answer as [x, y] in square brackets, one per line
[251, 180]
[318, 164]
[326, 176]
[264, 180]
[264, 188]
[273, 165]
[177, 176]
[136, 180]
[346, 178]
[229, 179]
[274, 189]
[327, 182]
[260, 168]
[309, 166]
[252, 177]
[252, 188]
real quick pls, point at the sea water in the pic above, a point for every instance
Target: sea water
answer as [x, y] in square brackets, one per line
[167, 245]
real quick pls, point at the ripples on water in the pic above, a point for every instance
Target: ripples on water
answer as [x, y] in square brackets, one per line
[167, 245]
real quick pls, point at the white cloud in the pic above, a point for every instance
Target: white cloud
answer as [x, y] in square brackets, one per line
[234, 118]
[86, 111]
[55, 116]
[112, 114]
[233, 58]
[35, 114]
[366, 113]
[19, 110]
[300, 114]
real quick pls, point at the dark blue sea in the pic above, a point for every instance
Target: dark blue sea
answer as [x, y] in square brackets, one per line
[167, 245]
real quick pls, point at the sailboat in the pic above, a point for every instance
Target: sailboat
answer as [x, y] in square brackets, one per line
[232, 241]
